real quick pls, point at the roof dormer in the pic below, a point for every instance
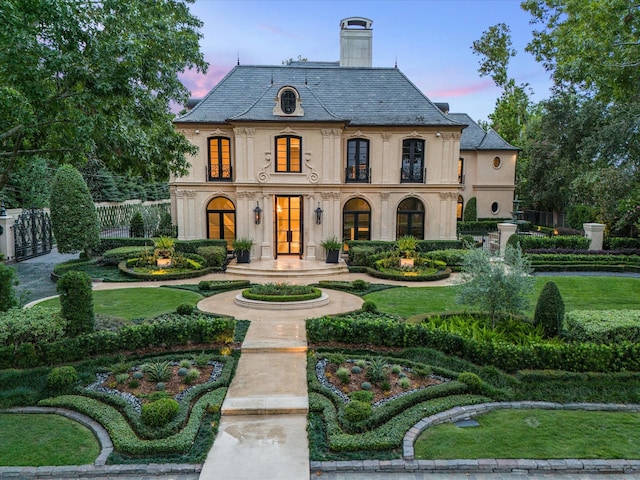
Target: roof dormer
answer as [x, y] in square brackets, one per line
[288, 103]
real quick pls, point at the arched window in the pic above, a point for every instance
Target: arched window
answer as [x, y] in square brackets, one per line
[288, 154]
[356, 220]
[412, 170]
[459, 207]
[221, 220]
[288, 102]
[357, 160]
[410, 218]
[219, 158]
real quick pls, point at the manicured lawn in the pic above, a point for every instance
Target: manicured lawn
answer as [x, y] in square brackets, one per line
[578, 293]
[536, 434]
[39, 440]
[136, 302]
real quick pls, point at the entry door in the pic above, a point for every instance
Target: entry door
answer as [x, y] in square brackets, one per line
[289, 225]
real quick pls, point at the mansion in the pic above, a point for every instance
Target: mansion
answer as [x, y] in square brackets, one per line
[291, 155]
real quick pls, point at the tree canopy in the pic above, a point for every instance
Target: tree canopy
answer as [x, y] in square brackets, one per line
[90, 79]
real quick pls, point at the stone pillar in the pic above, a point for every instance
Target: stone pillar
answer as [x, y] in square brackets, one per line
[506, 230]
[595, 232]
[7, 245]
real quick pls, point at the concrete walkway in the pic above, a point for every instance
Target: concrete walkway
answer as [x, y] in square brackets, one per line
[264, 415]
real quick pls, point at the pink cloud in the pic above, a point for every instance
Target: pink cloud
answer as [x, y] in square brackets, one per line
[200, 84]
[461, 91]
[275, 30]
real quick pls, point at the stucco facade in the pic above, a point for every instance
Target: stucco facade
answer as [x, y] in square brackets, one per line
[322, 150]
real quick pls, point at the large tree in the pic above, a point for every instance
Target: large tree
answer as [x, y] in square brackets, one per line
[82, 79]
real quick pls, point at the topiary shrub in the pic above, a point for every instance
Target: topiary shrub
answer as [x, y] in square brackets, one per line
[76, 303]
[470, 213]
[61, 379]
[369, 306]
[471, 380]
[185, 309]
[357, 411]
[362, 395]
[74, 218]
[549, 312]
[159, 413]
[136, 227]
[8, 280]
[214, 255]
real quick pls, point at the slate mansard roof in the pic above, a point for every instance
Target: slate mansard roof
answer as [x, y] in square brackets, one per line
[475, 138]
[328, 93]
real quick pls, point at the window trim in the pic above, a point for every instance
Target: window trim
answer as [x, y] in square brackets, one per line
[409, 214]
[297, 111]
[357, 164]
[288, 154]
[410, 178]
[220, 177]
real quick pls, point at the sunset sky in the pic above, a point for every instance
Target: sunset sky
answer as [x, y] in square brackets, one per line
[430, 40]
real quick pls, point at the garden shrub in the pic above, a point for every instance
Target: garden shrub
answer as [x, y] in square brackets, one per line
[369, 306]
[604, 326]
[8, 281]
[165, 226]
[34, 325]
[61, 379]
[558, 241]
[549, 313]
[159, 413]
[362, 396]
[470, 213]
[214, 256]
[362, 255]
[185, 309]
[76, 303]
[577, 215]
[357, 411]
[74, 218]
[471, 380]
[117, 255]
[136, 227]
[617, 243]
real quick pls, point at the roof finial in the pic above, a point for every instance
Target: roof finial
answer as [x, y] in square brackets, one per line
[271, 78]
[238, 58]
[305, 79]
[396, 62]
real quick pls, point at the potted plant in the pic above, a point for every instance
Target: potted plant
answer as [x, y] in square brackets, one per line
[163, 251]
[332, 246]
[242, 249]
[407, 244]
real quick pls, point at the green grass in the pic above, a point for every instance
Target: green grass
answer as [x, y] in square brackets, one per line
[136, 302]
[39, 440]
[578, 293]
[536, 434]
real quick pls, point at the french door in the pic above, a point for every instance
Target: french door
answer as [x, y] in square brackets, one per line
[288, 225]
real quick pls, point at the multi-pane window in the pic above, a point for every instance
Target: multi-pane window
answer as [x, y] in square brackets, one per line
[288, 102]
[219, 158]
[221, 220]
[459, 207]
[357, 161]
[410, 218]
[356, 220]
[412, 170]
[288, 154]
[461, 170]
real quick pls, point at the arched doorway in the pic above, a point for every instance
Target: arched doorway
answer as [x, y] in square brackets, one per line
[356, 220]
[410, 218]
[221, 220]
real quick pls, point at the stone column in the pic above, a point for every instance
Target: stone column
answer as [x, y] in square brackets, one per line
[595, 232]
[7, 245]
[385, 233]
[505, 230]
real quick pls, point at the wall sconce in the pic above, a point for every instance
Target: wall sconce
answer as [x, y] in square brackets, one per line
[319, 214]
[257, 214]
[438, 134]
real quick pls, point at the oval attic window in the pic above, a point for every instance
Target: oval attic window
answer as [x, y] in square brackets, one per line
[288, 102]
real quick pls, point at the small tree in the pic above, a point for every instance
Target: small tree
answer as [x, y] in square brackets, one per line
[470, 213]
[8, 281]
[496, 287]
[549, 310]
[73, 215]
[136, 227]
[76, 303]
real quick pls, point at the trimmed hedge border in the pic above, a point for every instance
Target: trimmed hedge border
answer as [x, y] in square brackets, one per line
[317, 293]
[484, 465]
[441, 275]
[122, 266]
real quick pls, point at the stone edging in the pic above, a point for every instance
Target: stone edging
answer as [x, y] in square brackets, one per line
[408, 463]
[99, 467]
